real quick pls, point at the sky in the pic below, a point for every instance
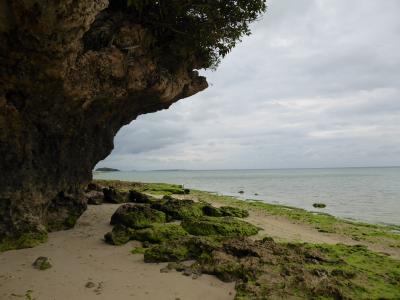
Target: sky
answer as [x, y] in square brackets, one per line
[316, 85]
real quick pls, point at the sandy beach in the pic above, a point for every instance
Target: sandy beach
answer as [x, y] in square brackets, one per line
[80, 256]
[85, 267]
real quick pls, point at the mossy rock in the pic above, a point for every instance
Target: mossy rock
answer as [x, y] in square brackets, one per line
[184, 248]
[223, 226]
[117, 196]
[319, 205]
[201, 246]
[225, 211]
[26, 240]
[211, 211]
[120, 235]
[170, 251]
[139, 197]
[42, 263]
[138, 250]
[62, 224]
[137, 216]
[159, 233]
[224, 266]
[177, 209]
[230, 211]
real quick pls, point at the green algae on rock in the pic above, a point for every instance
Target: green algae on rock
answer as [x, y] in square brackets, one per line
[138, 250]
[155, 233]
[173, 250]
[183, 248]
[27, 240]
[265, 269]
[120, 235]
[176, 209]
[223, 226]
[139, 197]
[164, 189]
[158, 233]
[112, 195]
[42, 263]
[387, 235]
[225, 211]
[137, 216]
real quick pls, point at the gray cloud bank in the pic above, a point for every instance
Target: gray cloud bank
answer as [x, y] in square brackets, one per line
[316, 85]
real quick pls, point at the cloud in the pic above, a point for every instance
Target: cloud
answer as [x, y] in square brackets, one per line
[316, 85]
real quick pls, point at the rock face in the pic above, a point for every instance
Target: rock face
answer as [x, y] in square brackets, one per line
[71, 74]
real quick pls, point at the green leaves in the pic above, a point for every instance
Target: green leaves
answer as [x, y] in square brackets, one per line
[202, 31]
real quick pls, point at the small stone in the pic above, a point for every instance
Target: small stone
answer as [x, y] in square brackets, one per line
[90, 285]
[165, 270]
[176, 266]
[319, 205]
[99, 288]
[241, 192]
[42, 263]
[187, 272]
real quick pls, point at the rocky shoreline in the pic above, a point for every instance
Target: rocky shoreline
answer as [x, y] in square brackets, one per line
[198, 233]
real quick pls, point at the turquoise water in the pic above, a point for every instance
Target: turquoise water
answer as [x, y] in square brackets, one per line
[365, 194]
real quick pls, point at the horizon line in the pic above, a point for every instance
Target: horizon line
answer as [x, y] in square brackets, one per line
[256, 169]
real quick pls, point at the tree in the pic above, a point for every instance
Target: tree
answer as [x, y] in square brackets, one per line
[203, 31]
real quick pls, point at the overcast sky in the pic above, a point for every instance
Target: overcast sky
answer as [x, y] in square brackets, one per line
[317, 84]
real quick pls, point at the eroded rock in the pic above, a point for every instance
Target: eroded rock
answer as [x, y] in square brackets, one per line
[69, 80]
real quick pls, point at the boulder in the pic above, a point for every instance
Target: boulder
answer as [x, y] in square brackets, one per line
[113, 195]
[176, 209]
[139, 197]
[137, 216]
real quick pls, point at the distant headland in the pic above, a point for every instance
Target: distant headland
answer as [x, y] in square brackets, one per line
[106, 170]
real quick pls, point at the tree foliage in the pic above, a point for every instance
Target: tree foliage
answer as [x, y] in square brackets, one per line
[201, 31]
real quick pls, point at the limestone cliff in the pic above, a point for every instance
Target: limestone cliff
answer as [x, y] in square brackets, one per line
[72, 72]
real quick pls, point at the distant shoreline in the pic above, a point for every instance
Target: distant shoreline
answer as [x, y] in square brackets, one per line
[106, 170]
[260, 169]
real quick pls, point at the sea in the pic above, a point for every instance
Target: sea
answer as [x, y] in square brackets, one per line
[364, 194]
